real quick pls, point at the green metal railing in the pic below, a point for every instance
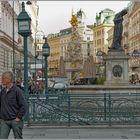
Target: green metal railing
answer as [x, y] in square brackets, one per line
[61, 108]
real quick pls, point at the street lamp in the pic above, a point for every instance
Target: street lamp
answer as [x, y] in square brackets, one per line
[46, 53]
[24, 29]
[14, 41]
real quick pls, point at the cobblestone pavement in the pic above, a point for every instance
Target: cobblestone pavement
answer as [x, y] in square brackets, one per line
[80, 133]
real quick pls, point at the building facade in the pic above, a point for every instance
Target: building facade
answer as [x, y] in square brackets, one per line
[9, 37]
[132, 37]
[102, 25]
[54, 58]
[11, 43]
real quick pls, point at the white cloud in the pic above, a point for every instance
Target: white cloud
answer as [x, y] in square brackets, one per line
[55, 15]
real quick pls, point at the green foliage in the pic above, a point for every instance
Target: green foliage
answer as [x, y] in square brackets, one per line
[100, 80]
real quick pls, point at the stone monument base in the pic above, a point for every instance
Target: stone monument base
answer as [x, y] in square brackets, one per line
[101, 89]
[72, 69]
[116, 82]
[116, 68]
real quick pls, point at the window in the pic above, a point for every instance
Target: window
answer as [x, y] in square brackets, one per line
[88, 49]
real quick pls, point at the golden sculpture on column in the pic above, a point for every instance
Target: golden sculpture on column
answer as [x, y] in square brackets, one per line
[74, 57]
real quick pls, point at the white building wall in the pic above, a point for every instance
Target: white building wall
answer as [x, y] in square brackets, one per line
[87, 42]
[6, 33]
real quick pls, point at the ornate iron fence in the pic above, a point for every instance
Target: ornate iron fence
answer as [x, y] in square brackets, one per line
[62, 108]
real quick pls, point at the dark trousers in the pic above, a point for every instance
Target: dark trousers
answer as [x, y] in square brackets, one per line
[6, 126]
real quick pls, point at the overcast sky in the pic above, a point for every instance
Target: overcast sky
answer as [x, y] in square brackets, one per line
[55, 15]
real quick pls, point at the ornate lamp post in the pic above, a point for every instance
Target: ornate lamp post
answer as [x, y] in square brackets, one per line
[46, 53]
[14, 41]
[24, 29]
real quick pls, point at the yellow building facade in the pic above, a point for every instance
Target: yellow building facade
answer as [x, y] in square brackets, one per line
[54, 58]
[100, 34]
[58, 46]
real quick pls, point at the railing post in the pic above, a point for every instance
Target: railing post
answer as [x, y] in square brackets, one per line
[109, 107]
[69, 108]
[28, 111]
[33, 105]
[104, 106]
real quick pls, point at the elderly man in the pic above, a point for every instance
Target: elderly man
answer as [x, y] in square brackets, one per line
[12, 107]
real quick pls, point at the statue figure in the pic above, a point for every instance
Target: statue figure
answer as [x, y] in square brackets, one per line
[118, 29]
[74, 21]
[81, 13]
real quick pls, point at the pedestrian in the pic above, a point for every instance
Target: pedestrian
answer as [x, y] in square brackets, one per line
[12, 107]
[18, 83]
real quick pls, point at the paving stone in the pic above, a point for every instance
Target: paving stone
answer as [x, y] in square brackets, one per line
[69, 133]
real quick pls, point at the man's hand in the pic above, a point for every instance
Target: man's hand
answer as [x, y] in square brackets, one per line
[17, 119]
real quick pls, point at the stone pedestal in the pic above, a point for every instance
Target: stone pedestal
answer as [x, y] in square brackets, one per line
[116, 68]
[72, 70]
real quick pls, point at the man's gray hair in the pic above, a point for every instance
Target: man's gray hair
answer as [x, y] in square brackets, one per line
[9, 74]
